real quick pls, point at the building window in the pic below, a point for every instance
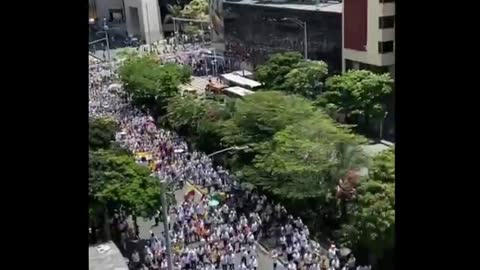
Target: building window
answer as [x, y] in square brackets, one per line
[386, 22]
[385, 47]
[387, 1]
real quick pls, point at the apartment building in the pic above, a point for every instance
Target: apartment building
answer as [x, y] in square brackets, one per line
[369, 35]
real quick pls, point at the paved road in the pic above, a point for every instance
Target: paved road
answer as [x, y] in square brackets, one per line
[265, 262]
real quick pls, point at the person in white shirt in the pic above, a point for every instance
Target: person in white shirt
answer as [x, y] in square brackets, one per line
[335, 263]
[332, 252]
[289, 253]
[244, 256]
[274, 254]
[291, 266]
[231, 261]
[254, 264]
[224, 261]
[296, 257]
[283, 243]
[307, 258]
[253, 249]
[250, 238]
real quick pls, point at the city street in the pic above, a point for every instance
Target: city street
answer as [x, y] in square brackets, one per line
[265, 262]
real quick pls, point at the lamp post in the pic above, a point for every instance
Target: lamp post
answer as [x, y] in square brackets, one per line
[105, 28]
[381, 125]
[304, 26]
[237, 148]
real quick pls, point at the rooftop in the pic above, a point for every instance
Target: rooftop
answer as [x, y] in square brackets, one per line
[323, 7]
[240, 80]
[106, 257]
[239, 91]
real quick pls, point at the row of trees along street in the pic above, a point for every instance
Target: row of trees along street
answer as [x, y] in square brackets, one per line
[115, 181]
[298, 154]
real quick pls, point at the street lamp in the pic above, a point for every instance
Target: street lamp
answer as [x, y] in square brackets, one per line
[237, 148]
[304, 26]
[381, 125]
[105, 28]
[163, 184]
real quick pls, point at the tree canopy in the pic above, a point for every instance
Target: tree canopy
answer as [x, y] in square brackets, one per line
[116, 181]
[272, 73]
[304, 160]
[199, 119]
[196, 9]
[101, 132]
[149, 83]
[357, 93]
[257, 117]
[306, 79]
[371, 223]
[290, 72]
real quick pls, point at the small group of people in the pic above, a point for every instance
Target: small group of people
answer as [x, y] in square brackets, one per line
[222, 231]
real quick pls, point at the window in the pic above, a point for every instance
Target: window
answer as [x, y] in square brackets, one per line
[385, 47]
[386, 22]
[387, 1]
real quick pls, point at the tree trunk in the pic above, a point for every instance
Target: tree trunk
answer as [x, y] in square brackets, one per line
[106, 225]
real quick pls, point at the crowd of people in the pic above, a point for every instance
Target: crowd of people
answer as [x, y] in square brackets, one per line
[218, 232]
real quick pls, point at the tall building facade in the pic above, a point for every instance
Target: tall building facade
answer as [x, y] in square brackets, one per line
[251, 30]
[144, 19]
[369, 35]
[112, 10]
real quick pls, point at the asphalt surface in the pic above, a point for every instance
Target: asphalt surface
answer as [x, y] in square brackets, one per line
[264, 260]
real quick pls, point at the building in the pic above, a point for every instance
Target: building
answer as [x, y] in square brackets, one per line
[112, 10]
[144, 19]
[252, 30]
[141, 18]
[369, 35]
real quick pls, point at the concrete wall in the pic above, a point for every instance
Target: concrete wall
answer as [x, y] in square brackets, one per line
[150, 27]
[103, 7]
[375, 9]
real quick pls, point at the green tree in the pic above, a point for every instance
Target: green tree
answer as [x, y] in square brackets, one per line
[357, 93]
[305, 79]
[196, 9]
[184, 113]
[306, 156]
[198, 119]
[101, 132]
[257, 117]
[371, 224]
[116, 181]
[151, 84]
[272, 73]
[301, 167]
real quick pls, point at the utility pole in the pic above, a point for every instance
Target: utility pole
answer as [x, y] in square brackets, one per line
[105, 28]
[305, 34]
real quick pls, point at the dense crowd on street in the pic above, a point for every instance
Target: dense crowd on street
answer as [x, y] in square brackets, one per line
[204, 236]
